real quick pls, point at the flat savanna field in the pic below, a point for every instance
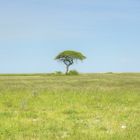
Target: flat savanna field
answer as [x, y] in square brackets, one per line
[83, 107]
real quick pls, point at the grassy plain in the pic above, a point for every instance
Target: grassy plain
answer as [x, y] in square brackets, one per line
[84, 107]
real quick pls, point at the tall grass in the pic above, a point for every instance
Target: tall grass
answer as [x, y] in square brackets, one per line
[84, 107]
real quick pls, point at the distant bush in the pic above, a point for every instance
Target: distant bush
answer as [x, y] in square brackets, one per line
[58, 73]
[73, 72]
[109, 73]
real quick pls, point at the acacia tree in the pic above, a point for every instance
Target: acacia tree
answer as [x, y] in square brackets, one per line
[69, 57]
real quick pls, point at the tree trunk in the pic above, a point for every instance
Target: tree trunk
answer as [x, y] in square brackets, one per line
[67, 69]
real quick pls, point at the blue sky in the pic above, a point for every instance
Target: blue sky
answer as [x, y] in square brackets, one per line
[33, 32]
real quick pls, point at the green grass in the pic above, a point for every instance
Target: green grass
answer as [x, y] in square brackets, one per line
[84, 107]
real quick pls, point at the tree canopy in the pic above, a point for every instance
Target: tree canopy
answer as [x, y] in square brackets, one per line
[68, 57]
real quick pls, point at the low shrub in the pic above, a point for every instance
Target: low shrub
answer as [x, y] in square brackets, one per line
[58, 73]
[73, 72]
